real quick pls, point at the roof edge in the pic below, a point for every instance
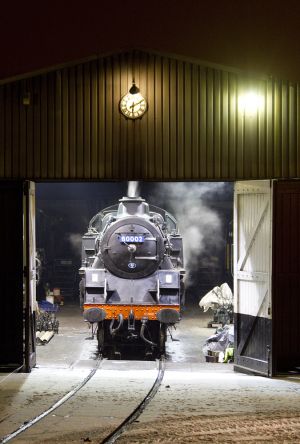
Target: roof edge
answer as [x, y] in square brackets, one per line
[92, 57]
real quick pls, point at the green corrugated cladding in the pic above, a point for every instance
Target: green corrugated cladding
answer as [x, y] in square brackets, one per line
[193, 129]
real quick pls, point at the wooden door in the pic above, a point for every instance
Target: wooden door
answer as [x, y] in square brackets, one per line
[286, 276]
[252, 276]
[11, 275]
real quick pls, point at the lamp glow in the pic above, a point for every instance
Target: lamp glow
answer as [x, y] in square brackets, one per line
[251, 103]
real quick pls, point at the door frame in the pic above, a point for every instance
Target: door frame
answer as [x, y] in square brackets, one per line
[29, 275]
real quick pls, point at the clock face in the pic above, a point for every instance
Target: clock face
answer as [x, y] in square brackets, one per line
[133, 106]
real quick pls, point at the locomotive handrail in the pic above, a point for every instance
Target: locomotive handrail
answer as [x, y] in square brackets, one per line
[105, 290]
[157, 291]
[149, 258]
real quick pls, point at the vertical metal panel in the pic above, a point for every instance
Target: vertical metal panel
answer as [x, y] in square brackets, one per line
[240, 133]
[65, 124]
[217, 124]
[261, 139]
[51, 125]
[101, 119]
[193, 129]
[202, 123]
[72, 123]
[158, 113]
[36, 129]
[284, 145]
[209, 124]
[292, 128]
[80, 154]
[180, 121]
[173, 120]
[115, 129]
[123, 123]
[150, 125]
[224, 126]
[138, 125]
[86, 120]
[16, 124]
[166, 119]
[58, 112]
[44, 127]
[277, 129]
[29, 127]
[109, 119]
[232, 117]
[187, 121]
[195, 120]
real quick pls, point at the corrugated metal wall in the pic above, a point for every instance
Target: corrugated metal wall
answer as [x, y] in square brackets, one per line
[193, 129]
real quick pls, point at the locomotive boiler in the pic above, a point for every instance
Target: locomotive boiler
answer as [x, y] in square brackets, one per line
[132, 276]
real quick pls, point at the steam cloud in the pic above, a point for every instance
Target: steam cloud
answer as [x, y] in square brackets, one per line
[75, 240]
[133, 189]
[199, 225]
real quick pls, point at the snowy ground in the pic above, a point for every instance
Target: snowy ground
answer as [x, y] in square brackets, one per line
[197, 402]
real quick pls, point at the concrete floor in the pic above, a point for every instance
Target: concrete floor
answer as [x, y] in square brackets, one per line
[197, 402]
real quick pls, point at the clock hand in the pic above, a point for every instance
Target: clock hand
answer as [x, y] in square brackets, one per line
[134, 104]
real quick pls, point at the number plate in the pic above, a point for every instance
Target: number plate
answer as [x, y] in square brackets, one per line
[131, 238]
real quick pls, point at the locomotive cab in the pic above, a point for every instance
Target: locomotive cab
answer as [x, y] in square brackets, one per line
[132, 276]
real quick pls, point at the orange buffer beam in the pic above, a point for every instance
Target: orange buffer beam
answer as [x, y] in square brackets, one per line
[140, 311]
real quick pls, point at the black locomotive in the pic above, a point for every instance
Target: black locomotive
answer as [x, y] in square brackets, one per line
[132, 276]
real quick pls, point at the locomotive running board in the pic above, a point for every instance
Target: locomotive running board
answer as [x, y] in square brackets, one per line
[140, 311]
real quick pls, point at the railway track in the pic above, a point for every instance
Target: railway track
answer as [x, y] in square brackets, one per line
[112, 437]
[115, 434]
[27, 424]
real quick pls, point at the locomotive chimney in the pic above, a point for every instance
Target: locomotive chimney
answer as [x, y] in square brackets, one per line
[133, 206]
[133, 189]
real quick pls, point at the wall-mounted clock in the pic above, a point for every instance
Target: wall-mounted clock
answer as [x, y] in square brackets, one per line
[133, 105]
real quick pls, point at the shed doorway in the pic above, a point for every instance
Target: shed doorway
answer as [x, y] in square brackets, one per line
[278, 356]
[204, 212]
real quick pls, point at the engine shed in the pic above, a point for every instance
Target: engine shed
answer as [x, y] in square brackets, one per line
[144, 115]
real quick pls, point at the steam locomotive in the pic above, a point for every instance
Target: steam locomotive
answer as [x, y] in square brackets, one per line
[132, 276]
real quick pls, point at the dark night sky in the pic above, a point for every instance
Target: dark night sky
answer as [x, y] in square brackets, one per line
[260, 36]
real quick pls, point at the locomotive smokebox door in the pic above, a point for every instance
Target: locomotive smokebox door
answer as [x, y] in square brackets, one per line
[132, 248]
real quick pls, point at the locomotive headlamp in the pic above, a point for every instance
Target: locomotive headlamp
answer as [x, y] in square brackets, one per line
[133, 105]
[250, 103]
[169, 279]
[132, 248]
